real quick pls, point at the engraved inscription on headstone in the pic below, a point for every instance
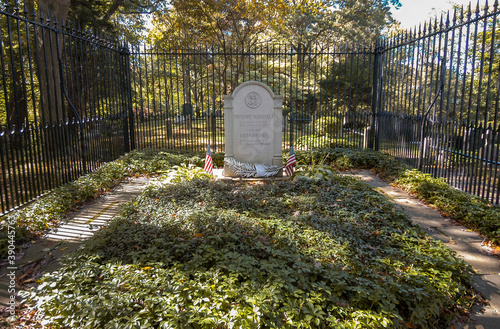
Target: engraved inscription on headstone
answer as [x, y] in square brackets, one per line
[253, 125]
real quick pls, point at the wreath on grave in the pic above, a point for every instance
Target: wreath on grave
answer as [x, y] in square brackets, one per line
[248, 170]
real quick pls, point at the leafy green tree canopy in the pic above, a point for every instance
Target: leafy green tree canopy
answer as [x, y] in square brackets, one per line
[116, 17]
[245, 22]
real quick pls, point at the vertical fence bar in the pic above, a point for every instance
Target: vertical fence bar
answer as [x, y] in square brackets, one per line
[5, 196]
[128, 114]
[374, 139]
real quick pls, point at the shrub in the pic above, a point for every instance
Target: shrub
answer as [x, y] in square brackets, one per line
[471, 211]
[342, 143]
[354, 158]
[322, 142]
[315, 172]
[327, 125]
[187, 173]
[312, 141]
[47, 212]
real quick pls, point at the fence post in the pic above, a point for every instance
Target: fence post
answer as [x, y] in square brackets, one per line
[373, 131]
[128, 113]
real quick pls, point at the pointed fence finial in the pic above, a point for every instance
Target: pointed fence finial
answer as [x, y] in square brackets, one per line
[469, 11]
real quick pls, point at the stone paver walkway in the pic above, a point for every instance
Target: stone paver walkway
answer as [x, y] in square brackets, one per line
[468, 245]
[43, 256]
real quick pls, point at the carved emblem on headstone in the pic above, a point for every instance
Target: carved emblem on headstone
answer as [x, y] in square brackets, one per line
[253, 100]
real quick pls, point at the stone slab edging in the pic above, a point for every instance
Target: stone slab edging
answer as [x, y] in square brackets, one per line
[44, 254]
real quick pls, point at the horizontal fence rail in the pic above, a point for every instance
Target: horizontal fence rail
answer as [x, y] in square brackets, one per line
[71, 100]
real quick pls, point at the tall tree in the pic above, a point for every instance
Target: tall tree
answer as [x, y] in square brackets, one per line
[300, 22]
[103, 17]
[241, 24]
[124, 18]
[484, 81]
[230, 23]
[304, 23]
[49, 50]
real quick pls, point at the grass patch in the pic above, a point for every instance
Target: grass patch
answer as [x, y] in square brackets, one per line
[326, 141]
[301, 254]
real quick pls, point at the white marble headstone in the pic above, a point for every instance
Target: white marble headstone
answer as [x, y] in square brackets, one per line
[253, 125]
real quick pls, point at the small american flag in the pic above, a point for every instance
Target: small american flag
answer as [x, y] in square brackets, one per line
[209, 166]
[290, 163]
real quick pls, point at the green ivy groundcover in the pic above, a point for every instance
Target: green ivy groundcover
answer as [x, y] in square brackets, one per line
[308, 253]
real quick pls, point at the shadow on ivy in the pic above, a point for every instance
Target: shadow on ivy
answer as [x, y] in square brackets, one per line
[265, 235]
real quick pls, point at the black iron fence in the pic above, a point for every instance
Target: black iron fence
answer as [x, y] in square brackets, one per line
[439, 98]
[178, 93]
[64, 108]
[71, 100]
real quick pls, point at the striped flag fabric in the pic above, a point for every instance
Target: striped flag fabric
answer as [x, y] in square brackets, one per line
[290, 163]
[209, 166]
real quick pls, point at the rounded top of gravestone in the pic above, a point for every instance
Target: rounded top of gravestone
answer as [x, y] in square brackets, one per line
[253, 99]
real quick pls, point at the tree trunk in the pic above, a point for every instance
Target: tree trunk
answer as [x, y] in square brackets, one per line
[300, 60]
[49, 51]
[17, 104]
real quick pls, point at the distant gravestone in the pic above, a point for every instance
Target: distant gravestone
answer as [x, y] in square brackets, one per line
[473, 139]
[490, 150]
[187, 110]
[253, 129]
